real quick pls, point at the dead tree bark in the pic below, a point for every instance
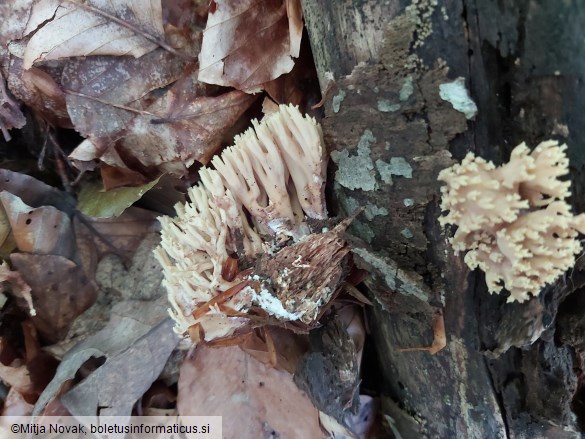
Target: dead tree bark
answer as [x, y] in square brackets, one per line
[389, 132]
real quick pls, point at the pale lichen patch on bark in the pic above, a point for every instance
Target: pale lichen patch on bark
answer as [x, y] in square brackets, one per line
[356, 172]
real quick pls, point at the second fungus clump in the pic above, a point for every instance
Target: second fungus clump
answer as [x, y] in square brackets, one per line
[514, 222]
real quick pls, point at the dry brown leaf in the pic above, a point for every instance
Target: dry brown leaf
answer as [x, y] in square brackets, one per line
[255, 400]
[105, 94]
[167, 134]
[66, 29]
[249, 43]
[193, 134]
[61, 291]
[43, 230]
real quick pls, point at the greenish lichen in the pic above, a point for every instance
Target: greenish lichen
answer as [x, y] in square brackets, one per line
[457, 95]
[406, 233]
[397, 166]
[407, 89]
[337, 100]
[403, 282]
[373, 211]
[356, 172]
[408, 202]
[385, 106]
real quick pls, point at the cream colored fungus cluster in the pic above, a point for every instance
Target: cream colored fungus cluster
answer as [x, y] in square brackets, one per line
[265, 185]
[513, 220]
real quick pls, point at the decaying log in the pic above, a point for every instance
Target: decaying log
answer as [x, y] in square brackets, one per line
[389, 72]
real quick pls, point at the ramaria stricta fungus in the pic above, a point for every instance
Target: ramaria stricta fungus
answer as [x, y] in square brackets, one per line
[514, 222]
[245, 211]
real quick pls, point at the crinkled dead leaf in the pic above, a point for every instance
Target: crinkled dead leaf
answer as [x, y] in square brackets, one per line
[113, 178]
[248, 43]
[42, 230]
[140, 282]
[60, 289]
[171, 134]
[93, 201]
[254, 399]
[67, 29]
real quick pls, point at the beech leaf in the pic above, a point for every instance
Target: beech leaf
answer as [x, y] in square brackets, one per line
[250, 42]
[72, 29]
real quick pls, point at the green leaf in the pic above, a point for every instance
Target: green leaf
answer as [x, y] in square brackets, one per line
[94, 202]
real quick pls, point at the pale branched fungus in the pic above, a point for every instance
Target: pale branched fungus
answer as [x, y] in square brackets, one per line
[259, 195]
[513, 220]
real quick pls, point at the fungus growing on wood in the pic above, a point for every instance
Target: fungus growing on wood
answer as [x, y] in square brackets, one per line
[513, 221]
[277, 171]
[259, 195]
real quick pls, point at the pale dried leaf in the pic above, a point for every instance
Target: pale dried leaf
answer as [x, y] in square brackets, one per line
[123, 234]
[254, 399]
[72, 30]
[99, 89]
[117, 283]
[248, 43]
[193, 134]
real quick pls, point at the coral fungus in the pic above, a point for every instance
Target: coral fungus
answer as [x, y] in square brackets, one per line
[259, 195]
[513, 221]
